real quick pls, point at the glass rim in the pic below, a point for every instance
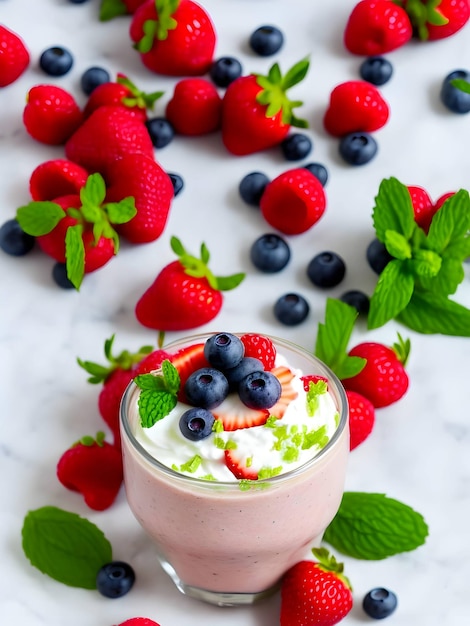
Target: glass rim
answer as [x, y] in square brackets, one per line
[339, 395]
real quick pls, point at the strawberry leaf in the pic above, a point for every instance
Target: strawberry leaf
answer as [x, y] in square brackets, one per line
[39, 218]
[121, 212]
[110, 9]
[65, 546]
[94, 190]
[75, 255]
[461, 84]
[227, 283]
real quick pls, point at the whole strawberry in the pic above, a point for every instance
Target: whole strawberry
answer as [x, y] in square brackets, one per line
[56, 178]
[315, 592]
[185, 294]
[361, 418]
[375, 27]
[51, 114]
[138, 621]
[14, 56]
[423, 207]
[174, 37]
[299, 190]
[195, 107]
[139, 176]
[437, 19]
[383, 380]
[122, 92]
[256, 112]
[355, 106]
[93, 467]
[110, 132]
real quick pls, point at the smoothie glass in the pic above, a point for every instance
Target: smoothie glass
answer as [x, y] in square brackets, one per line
[225, 545]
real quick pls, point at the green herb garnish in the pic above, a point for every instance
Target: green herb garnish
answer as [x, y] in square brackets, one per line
[65, 546]
[158, 396]
[373, 526]
[426, 269]
[315, 390]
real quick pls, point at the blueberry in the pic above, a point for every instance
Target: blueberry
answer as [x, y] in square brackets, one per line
[455, 99]
[115, 579]
[196, 423]
[270, 253]
[78, 1]
[13, 239]
[376, 70]
[224, 350]
[56, 61]
[266, 40]
[246, 366]
[357, 299]
[206, 388]
[291, 309]
[326, 269]
[177, 182]
[296, 146]
[225, 70]
[160, 130]
[259, 390]
[318, 170]
[379, 603]
[92, 78]
[252, 187]
[59, 274]
[357, 148]
[378, 256]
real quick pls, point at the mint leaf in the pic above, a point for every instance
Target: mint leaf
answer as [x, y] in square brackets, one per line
[158, 395]
[397, 245]
[391, 295]
[373, 526]
[65, 546]
[430, 313]
[333, 337]
[75, 255]
[39, 218]
[393, 210]
[450, 223]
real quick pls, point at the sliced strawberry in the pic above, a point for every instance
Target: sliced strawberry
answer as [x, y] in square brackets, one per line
[314, 378]
[234, 415]
[188, 360]
[238, 466]
[260, 347]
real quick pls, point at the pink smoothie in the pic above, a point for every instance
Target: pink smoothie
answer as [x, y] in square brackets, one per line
[221, 538]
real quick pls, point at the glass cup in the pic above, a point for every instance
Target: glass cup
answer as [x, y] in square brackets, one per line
[221, 544]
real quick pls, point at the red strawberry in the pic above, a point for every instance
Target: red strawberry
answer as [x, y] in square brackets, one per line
[256, 112]
[56, 178]
[174, 37]
[361, 418]
[437, 20]
[376, 27]
[440, 201]
[312, 378]
[110, 9]
[124, 93]
[195, 107]
[315, 592]
[235, 415]
[185, 293]
[151, 362]
[51, 114]
[260, 347]
[423, 207]
[14, 56]
[355, 106]
[109, 400]
[92, 467]
[188, 360]
[139, 621]
[299, 190]
[383, 380]
[238, 466]
[109, 133]
[139, 176]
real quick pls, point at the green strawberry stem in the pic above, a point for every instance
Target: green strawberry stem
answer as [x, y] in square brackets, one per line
[328, 563]
[274, 92]
[138, 98]
[402, 349]
[198, 267]
[422, 13]
[158, 29]
[88, 440]
[125, 360]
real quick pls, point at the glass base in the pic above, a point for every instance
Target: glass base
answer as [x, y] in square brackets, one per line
[217, 598]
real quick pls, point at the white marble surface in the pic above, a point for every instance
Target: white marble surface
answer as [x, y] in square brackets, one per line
[419, 450]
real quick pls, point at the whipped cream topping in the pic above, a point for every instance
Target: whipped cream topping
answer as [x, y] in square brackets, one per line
[271, 447]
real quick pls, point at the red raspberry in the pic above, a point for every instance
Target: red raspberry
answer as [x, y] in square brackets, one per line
[260, 347]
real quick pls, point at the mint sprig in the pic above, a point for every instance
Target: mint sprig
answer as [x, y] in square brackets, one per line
[373, 526]
[158, 396]
[333, 336]
[65, 546]
[40, 218]
[426, 268]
